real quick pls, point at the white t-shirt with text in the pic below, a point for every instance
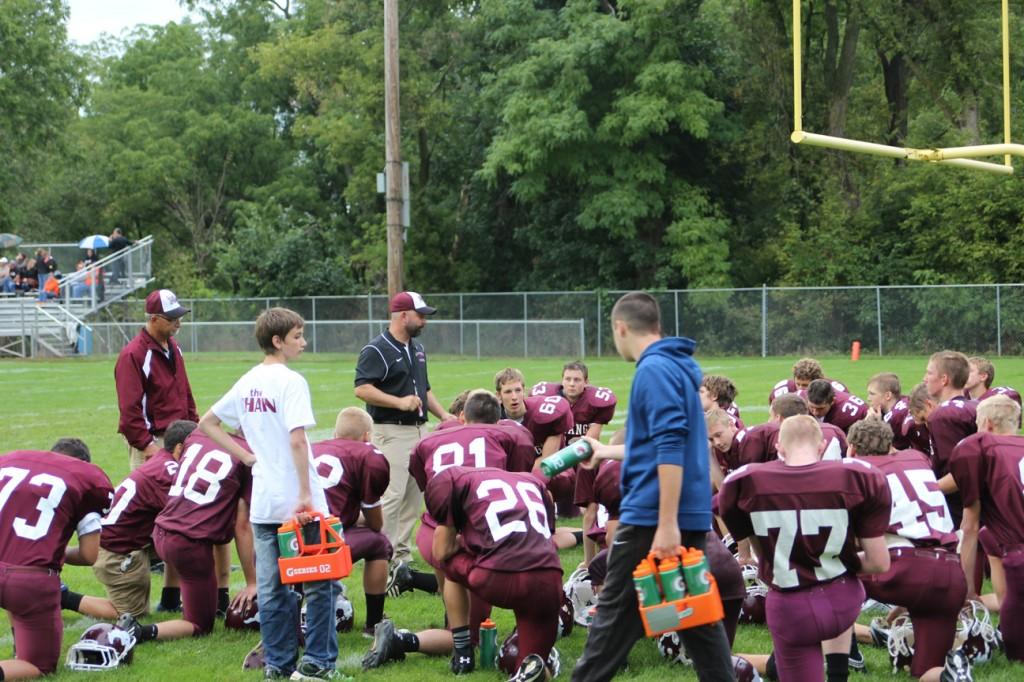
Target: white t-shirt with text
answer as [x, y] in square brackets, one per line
[268, 403]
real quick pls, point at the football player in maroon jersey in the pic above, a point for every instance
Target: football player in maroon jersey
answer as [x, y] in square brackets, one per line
[915, 424]
[207, 505]
[952, 419]
[924, 574]
[354, 475]
[548, 418]
[805, 370]
[719, 391]
[834, 407]
[887, 403]
[46, 496]
[979, 382]
[988, 468]
[805, 518]
[592, 408]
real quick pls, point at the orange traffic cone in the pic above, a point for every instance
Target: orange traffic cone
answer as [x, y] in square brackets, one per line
[855, 351]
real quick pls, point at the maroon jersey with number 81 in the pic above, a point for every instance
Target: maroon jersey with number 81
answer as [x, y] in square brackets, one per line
[807, 518]
[202, 503]
[504, 517]
[43, 496]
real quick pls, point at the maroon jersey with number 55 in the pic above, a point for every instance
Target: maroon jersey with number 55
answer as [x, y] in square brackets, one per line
[990, 468]
[353, 475]
[807, 518]
[202, 503]
[504, 517]
[43, 497]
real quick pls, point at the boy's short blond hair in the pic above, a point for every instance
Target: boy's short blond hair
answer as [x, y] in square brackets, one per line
[353, 423]
[800, 430]
[508, 375]
[716, 416]
[1003, 412]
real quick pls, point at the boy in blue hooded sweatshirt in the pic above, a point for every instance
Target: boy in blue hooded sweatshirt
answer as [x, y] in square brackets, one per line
[666, 490]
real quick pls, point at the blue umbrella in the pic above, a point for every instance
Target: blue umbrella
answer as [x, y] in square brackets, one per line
[96, 241]
[8, 241]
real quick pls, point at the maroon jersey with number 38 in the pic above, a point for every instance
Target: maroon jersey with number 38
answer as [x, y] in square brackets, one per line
[919, 513]
[43, 497]
[353, 475]
[990, 468]
[128, 526]
[202, 503]
[504, 517]
[807, 518]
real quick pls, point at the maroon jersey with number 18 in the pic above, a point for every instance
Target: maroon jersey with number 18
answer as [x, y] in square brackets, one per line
[128, 526]
[504, 517]
[353, 474]
[919, 513]
[807, 518]
[202, 503]
[43, 497]
[990, 468]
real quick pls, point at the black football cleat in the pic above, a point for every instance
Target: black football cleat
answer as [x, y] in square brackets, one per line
[532, 669]
[463, 662]
[957, 668]
[386, 646]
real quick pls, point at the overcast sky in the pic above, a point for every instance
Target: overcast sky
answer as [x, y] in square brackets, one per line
[90, 18]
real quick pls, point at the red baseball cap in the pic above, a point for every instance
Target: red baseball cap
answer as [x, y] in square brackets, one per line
[410, 300]
[164, 302]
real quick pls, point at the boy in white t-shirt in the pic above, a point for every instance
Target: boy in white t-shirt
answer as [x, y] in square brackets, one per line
[272, 407]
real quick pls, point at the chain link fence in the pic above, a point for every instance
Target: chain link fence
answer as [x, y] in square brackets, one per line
[764, 321]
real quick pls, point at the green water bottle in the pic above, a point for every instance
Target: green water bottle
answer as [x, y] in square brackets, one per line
[671, 579]
[647, 592]
[566, 458]
[287, 542]
[488, 644]
[695, 570]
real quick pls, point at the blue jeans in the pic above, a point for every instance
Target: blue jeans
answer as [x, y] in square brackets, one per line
[279, 611]
[8, 285]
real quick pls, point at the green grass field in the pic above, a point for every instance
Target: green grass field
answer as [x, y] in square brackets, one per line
[50, 399]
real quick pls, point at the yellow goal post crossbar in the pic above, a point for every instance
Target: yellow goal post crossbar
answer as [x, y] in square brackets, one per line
[952, 156]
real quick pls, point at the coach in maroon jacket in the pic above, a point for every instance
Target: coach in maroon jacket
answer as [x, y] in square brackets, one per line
[152, 386]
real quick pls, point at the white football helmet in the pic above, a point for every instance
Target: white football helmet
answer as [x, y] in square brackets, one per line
[671, 648]
[102, 647]
[344, 615]
[975, 634]
[580, 592]
[901, 643]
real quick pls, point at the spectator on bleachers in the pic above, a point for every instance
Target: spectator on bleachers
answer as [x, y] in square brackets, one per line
[118, 242]
[80, 287]
[51, 287]
[45, 267]
[90, 256]
[7, 274]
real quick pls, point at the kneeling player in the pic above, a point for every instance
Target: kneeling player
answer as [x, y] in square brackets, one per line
[47, 497]
[354, 475]
[207, 505]
[803, 517]
[924, 574]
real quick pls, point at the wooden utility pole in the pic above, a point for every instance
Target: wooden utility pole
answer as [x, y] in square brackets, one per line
[393, 152]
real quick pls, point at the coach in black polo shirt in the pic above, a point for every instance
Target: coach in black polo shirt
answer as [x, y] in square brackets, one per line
[391, 378]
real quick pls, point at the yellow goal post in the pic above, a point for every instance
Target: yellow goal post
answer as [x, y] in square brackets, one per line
[963, 157]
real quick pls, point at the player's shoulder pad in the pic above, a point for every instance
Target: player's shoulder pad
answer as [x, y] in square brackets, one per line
[546, 388]
[600, 395]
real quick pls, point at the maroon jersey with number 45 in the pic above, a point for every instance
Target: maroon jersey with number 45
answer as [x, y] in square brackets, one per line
[202, 503]
[807, 518]
[472, 445]
[504, 517]
[43, 497]
[353, 475]
[990, 468]
[595, 406]
[128, 526]
[919, 513]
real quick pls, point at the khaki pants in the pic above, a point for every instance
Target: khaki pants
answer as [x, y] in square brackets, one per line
[402, 500]
[135, 458]
[126, 578]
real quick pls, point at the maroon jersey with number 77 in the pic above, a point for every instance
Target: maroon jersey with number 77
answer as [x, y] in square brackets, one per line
[807, 518]
[43, 496]
[504, 517]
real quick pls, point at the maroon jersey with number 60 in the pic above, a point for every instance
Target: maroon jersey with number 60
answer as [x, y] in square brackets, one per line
[43, 496]
[504, 517]
[471, 445]
[807, 518]
[353, 475]
[202, 503]
[990, 468]
[919, 513]
[595, 406]
[128, 526]
[547, 416]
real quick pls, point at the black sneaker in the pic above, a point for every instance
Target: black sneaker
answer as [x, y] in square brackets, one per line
[957, 668]
[857, 663]
[879, 633]
[156, 567]
[530, 670]
[386, 646]
[462, 661]
[399, 579]
[131, 625]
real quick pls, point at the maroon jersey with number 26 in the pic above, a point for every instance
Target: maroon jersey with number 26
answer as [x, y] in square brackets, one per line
[504, 517]
[807, 518]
